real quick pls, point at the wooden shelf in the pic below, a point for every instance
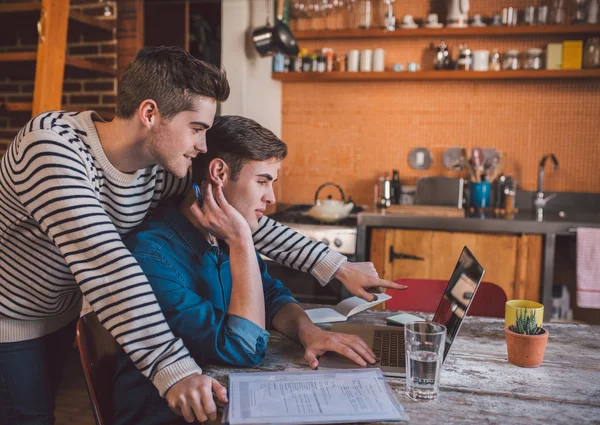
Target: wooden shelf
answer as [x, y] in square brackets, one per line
[92, 21]
[17, 57]
[326, 77]
[20, 7]
[69, 61]
[16, 106]
[547, 30]
[107, 25]
[90, 66]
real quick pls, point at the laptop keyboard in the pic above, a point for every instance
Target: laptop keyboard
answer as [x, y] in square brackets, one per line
[389, 348]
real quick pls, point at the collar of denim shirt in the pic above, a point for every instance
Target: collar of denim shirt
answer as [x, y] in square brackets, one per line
[186, 231]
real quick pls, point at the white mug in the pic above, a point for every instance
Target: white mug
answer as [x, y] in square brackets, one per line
[481, 60]
[378, 60]
[432, 18]
[352, 65]
[366, 60]
[412, 67]
[408, 20]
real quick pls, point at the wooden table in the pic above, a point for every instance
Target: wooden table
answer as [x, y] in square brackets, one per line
[478, 385]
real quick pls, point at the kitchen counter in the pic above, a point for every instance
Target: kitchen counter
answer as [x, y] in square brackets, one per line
[522, 222]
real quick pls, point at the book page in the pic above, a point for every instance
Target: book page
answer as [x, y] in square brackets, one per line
[353, 305]
[324, 315]
[312, 397]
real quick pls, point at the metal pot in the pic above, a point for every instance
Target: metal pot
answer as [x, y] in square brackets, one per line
[269, 40]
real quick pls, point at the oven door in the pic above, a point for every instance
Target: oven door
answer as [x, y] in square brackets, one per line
[304, 287]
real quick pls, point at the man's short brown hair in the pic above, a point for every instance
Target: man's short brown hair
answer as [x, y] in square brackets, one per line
[171, 77]
[237, 140]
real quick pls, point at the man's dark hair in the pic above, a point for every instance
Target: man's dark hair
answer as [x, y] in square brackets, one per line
[237, 140]
[172, 78]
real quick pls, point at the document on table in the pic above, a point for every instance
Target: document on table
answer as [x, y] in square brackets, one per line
[311, 397]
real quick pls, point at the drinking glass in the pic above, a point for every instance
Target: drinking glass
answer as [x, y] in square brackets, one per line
[424, 343]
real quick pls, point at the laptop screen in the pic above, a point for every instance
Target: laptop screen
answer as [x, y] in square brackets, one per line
[458, 295]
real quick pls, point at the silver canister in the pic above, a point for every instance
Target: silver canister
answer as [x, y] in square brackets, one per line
[385, 192]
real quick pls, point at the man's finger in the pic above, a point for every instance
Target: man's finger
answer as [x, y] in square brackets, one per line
[209, 409]
[364, 352]
[346, 351]
[312, 360]
[367, 296]
[389, 284]
[220, 391]
[358, 340]
[186, 411]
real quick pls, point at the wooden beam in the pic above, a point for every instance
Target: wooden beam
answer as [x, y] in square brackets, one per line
[107, 25]
[18, 57]
[20, 7]
[16, 106]
[90, 65]
[51, 53]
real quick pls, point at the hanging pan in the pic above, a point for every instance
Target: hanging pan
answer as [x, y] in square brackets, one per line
[278, 38]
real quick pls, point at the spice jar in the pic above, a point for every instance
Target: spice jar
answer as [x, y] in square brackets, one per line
[495, 64]
[510, 60]
[591, 53]
[533, 59]
[465, 59]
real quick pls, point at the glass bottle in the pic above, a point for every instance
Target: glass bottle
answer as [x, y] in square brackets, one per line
[365, 14]
[591, 53]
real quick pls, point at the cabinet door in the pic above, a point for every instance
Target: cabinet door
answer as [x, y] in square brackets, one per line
[498, 256]
[445, 250]
[410, 243]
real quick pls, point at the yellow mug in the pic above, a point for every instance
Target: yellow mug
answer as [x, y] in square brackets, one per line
[510, 311]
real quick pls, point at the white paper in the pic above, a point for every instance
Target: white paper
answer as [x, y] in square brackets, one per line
[312, 397]
[344, 309]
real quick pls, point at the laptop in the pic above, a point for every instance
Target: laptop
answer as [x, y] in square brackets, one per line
[388, 341]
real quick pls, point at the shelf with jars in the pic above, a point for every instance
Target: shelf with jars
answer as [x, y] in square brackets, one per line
[326, 77]
[500, 31]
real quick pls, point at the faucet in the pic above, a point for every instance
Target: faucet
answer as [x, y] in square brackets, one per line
[540, 202]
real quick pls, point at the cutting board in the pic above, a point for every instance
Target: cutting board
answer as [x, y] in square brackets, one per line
[425, 210]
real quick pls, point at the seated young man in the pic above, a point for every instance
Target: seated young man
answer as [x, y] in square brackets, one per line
[216, 293]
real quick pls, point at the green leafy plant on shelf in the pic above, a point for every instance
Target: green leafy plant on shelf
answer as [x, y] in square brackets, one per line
[526, 323]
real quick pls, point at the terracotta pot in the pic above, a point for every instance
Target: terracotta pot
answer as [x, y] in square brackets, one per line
[526, 350]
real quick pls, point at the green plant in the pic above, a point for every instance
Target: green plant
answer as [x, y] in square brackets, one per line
[526, 323]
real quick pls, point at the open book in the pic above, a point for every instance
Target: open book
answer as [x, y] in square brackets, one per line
[344, 309]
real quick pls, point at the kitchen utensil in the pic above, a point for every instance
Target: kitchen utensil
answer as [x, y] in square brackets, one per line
[458, 13]
[419, 158]
[477, 160]
[385, 192]
[330, 210]
[499, 192]
[269, 40]
[452, 159]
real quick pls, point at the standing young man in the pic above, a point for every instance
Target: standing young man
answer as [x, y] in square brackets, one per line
[71, 186]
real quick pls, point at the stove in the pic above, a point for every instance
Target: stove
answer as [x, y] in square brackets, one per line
[340, 236]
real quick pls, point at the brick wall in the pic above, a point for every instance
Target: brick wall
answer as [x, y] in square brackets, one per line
[81, 89]
[351, 133]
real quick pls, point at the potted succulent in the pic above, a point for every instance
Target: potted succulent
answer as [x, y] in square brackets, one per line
[525, 340]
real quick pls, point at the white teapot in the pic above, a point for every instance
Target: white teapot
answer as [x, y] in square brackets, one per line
[330, 210]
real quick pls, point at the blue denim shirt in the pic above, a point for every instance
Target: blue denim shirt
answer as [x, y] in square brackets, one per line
[192, 282]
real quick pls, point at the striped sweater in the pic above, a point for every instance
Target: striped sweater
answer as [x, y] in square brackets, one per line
[63, 212]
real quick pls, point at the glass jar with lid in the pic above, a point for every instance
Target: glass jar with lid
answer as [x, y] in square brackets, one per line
[534, 59]
[510, 60]
[591, 53]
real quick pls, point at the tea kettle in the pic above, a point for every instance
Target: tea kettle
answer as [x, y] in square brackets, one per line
[330, 210]
[458, 13]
